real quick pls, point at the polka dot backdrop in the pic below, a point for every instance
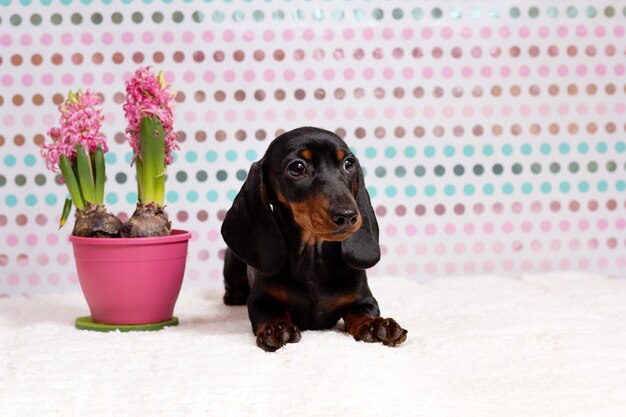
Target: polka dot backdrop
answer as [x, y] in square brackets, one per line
[492, 133]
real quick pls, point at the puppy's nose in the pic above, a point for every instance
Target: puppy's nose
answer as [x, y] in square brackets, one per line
[345, 217]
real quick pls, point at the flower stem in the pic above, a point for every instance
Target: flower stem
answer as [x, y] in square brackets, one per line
[67, 207]
[159, 156]
[98, 162]
[71, 182]
[151, 173]
[85, 174]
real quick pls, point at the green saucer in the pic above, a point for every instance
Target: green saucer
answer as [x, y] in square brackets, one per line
[86, 323]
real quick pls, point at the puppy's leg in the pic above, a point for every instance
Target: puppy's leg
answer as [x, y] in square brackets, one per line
[271, 323]
[364, 323]
[235, 280]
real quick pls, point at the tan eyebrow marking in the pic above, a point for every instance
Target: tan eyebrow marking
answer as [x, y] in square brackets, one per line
[306, 154]
[340, 154]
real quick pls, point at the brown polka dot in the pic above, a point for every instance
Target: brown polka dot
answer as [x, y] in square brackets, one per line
[1, 100]
[19, 140]
[398, 92]
[118, 58]
[609, 50]
[418, 92]
[16, 60]
[514, 51]
[57, 59]
[457, 92]
[199, 96]
[591, 89]
[535, 129]
[610, 89]
[592, 205]
[611, 205]
[37, 99]
[119, 137]
[220, 136]
[399, 132]
[457, 52]
[572, 89]
[259, 95]
[496, 130]
[158, 57]
[2, 140]
[440, 209]
[379, 132]
[279, 95]
[138, 57]
[592, 128]
[260, 134]
[38, 139]
[258, 55]
[439, 131]
[18, 100]
[340, 93]
[379, 92]
[101, 96]
[58, 99]
[516, 90]
[438, 92]
[77, 59]
[477, 130]
[240, 135]
[359, 93]
[533, 51]
[299, 94]
[218, 56]
[458, 131]
[590, 50]
[359, 132]
[36, 59]
[534, 90]
[358, 54]
[553, 90]
[574, 206]
[219, 96]
[279, 55]
[298, 54]
[572, 128]
[610, 127]
[341, 132]
[97, 58]
[181, 136]
[202, 215]
[417, 53]
[178, 57]
[21, 220]
[419, 131]
[553, 128]
[200, 136]
[516, 129]
[239, 55]
[496, 91]
[553, 51]
[118, 98]
[180, 97]
[319, 94]
[182, 216]
[477, 91]
[572, 50]
[240, 95]
[198, 56]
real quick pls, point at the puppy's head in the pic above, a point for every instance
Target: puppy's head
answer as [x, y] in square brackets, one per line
[314, 177]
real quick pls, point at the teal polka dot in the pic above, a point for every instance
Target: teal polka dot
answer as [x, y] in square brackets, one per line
[527, 188]
[449, 190]
[390, 152]
[545, 187]
[131, 197]
[212, 196]
[191, 156]
[192, 196]
[430, 151]
[583, 186]
[469, 190]
[380, 172]
[51, 200]
[602, 186]
[620, 147]
[564, 187]
[417, 13]
[545, 149]
[410, 152]
[420, 171]
[449, 151]
[564, 148]
[410, 191]
[468, 150]
[231, 194]
[390, 191]
[9, 160]
[10, 200]
[110, 158]
[31, 200]
[508, 189]
[488, 189]
[370, 152]
[174, 157]
[620, 185]
[430, 190]
[211, 156]
[128, 157]
[583, 148]
[111, 198]
[30, 160]
[487, 150]
[251, 155]
[601, 147]
[526, 149]
[372, 191]
[507, 149]
[171, 197]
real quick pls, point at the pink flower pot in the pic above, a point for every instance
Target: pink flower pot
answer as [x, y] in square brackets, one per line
[131, 280]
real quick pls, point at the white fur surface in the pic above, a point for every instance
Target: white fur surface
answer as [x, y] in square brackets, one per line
[543, 345]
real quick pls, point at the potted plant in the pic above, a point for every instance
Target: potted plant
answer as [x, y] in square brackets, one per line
[130, 273]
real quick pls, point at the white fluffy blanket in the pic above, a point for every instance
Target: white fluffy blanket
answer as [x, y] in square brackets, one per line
[546, 345]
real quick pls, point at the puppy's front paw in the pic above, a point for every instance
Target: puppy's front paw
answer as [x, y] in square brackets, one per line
[378, 329]
[274, 334]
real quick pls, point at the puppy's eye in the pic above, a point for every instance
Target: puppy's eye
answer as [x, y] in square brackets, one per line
[296, 169]
[349, 164]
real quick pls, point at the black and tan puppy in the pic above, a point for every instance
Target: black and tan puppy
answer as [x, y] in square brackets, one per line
[301, 233]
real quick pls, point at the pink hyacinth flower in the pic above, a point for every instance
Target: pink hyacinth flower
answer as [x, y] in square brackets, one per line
[147, 95]
[80, 123]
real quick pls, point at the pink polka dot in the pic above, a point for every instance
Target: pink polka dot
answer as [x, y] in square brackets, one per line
[408, 73]
[427, 33]
[289, 75]
[88, 78]
[270, 115]
[459, 248]
[26, 40]
[408, 112]
[350, 113]
[486, 72]
[469, 228]
[208, 36]
[478, 247]
[368, 34]
[544, 70]
[527, 265]
[388, 73]
[309, 74]
[189, 76]
[446, 32]
[401, 250]
[368, 73]
[230, 115]
[411, 269]
[430, 229]
[67, 79]
[581, 70]
[107, 38]
[108, 78]
[54, 279]
[188, 36]
[67, 39]
[466, 33]
[468, 111]
[450, 229]
[63, 259]
[210, 116]
[190, 116]
[524, 32]
[429, 112]
[447, 72]
[488, 228]
[467, 72]
[269, 75]
[583, 225]
[563, 109]
[330, 114]
[290, 114]
[410, 230]
[545, 226]
[507, 265]
[12, 240]
[229, 76]
[8, 120]
[288, 35]
[449, 267]
[7, 80]
[348, 34]
[28, 120]
[388, 34]
[147, 37]
[440, 249]
[407, 33]
[544, 110]
[250, 115]
[543, 32]
[469, 267]
[249, 75]
[268, 35]
[208, 76]
[581, 31]
[47, 79]
[428, 72]
[505, 32]
[430, 268]
[43, 259]
[213, 235]
[524, 71]
[601, 108]
[308, 35]
[497, 247]
[14, 280]
[488, 266]
[127, 38]
[228, 36]
[167, 37]
[485, 32]
[389, 113]
[448, 111]
[369, 113]
[52, 239]
[34, 280]
[6, 40]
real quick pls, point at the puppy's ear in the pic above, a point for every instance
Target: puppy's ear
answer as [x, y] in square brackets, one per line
[249, 228]
[361, 250]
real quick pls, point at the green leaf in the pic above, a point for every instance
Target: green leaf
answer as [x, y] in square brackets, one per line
[99, 175]
[71, 182]
[140, 176]
[159, 160]
[67, 208]
[146, 138]
[85, 174]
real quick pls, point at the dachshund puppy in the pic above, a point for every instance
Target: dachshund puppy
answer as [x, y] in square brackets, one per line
[300, 235]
